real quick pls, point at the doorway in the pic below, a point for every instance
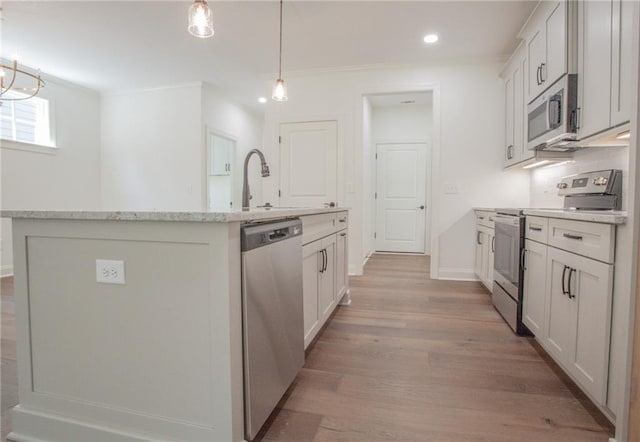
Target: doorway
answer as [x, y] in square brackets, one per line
[398, 131]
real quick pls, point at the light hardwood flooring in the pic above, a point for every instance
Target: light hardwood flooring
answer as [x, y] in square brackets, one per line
[424, 360]
[410, 359]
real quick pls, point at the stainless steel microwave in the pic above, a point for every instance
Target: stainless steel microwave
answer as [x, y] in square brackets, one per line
[552, 117]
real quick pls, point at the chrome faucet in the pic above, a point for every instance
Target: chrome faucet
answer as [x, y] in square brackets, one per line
[246, 195]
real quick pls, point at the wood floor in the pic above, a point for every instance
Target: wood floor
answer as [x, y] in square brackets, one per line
[411, 359]
[423, 360]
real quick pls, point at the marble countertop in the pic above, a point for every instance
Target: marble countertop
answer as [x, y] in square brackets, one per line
[254, 214]
[596, 216]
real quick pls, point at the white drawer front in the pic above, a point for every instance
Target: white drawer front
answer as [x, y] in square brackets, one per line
[593, 240]
[485, 218]
[318, 226]
[537, 229]
[342, 220]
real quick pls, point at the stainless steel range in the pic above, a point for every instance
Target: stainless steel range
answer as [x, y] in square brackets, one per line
[599, 190]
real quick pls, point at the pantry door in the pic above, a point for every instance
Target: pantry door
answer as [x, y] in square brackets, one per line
[308, 163]
[401, 197]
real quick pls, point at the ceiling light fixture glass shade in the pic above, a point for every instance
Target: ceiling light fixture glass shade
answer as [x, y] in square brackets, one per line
[200, 20]
[279, 89]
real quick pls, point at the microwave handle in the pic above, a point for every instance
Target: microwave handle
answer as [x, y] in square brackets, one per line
[558, 107]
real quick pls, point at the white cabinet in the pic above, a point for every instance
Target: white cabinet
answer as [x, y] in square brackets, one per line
[547, 50]
[221, 151]
[604, 69]
[515, 109]
[567, 297]
[579, 320]
[324, 270]
[341, 263]
[534, 300]
[485, 248]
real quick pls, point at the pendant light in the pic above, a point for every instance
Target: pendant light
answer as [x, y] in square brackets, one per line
[279, 89]
[200, 20]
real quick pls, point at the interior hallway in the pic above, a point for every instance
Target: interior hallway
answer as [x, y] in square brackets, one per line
[410, 359]
[425, 360]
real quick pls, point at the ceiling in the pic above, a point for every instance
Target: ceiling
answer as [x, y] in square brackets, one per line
[115, 45]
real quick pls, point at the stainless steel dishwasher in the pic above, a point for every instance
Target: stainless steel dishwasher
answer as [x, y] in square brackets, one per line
[272, 316]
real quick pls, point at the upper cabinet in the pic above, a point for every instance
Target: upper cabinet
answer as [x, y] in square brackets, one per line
[604, 65]
[514, 76]
[547, 50]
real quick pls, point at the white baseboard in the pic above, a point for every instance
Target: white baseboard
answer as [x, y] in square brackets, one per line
[6, 271]
[456, 274]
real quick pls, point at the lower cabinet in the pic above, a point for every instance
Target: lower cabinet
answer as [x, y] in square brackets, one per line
[324, 270]
[567, 304]
[485, 249]
[579, 319]
[534, 303]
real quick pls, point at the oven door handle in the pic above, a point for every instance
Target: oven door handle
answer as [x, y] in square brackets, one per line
[523, 253]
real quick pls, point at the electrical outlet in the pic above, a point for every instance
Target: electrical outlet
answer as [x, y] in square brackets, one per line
[110, 271]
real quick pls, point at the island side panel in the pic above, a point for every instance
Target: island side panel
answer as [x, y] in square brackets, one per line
[159, 357]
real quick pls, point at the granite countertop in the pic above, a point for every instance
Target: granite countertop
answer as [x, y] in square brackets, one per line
[596, 216]
[254, 214]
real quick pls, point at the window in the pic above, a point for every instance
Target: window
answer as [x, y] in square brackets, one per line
[25, 121]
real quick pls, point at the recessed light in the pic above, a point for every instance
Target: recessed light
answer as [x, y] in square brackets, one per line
[262, 100]
[430, 38]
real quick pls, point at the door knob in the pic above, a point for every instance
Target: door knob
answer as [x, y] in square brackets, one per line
[421, 207]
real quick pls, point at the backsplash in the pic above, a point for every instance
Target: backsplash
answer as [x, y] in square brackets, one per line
[544, 193]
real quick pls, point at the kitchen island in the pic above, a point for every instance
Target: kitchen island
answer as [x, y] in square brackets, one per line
[154, 354]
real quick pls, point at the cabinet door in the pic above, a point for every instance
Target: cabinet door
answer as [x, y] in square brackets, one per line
[594, 68]
[518, 112]
[327, 291]
[311, 266]
[341, 264]
[592, 286]
[489, 250]
[510, 114]
[534, 297]
[556, 45]
[480, 264]
[621, 68]
[220, 151]
[536, 56]
[561, 317]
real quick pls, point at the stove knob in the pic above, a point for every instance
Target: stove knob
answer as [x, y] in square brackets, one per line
[562, 185]
[601, 181]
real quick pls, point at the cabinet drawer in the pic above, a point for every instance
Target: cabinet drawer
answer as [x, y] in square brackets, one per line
[318, 226]
[485, 218]
[342, 219]
[593, 240]
[537, 229]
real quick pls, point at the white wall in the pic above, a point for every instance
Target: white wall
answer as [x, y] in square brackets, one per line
[223, 116]
[68, 179]
[409, 124]
[152, 149]
[471, 125]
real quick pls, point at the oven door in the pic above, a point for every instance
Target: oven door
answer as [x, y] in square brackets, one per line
[507, 256]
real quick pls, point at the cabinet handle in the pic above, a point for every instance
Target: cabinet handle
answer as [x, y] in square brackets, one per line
[481, 217]
[569, 291]
[493, 244]
[509, 151]
[538, 76]
[570, 236]
[342, 220]
[522, 256]
[322, 267]
[578, 117]
[326, 260]
[564, 274]
[491, 219]
[543, 70]
[535, 229]
[343, 234]
[478, 238]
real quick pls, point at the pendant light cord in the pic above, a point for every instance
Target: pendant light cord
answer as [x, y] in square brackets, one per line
[280, 58]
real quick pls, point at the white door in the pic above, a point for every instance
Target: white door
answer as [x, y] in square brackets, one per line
[308, 163]
[401, 197]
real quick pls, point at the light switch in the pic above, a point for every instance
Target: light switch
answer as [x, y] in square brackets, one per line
[451, 189]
